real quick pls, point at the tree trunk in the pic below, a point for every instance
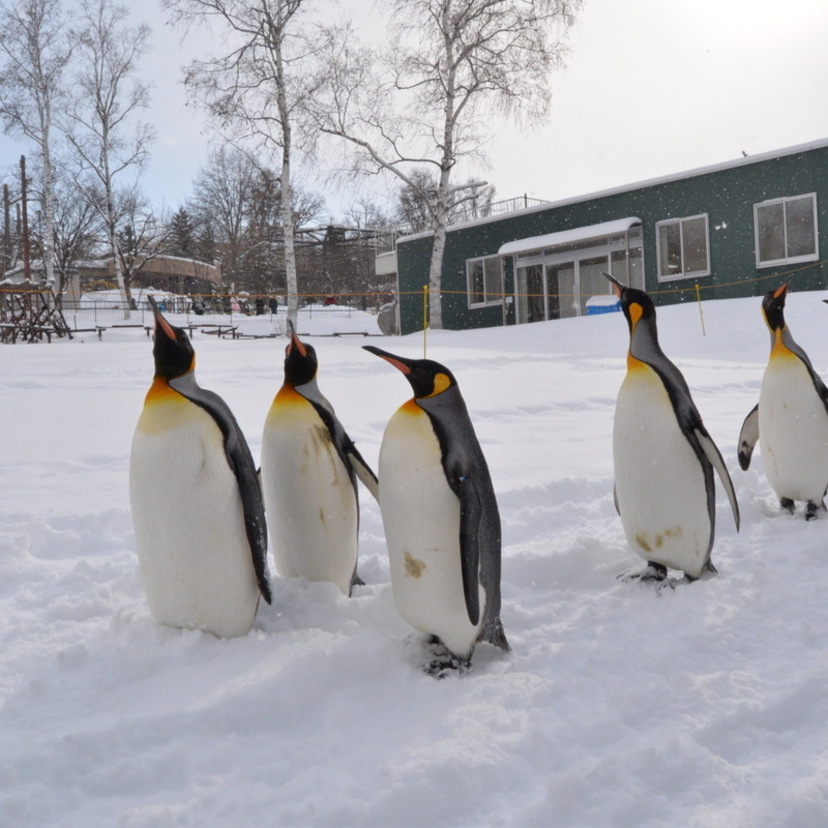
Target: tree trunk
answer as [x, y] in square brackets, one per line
[435, 296]
[49, 216]
[286, 215]
[286, 203]
[116, 257]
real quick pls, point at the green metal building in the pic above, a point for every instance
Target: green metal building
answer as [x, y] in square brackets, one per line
[729, 230]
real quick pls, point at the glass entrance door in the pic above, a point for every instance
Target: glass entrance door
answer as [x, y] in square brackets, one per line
[591, 280]
[531, 294]
[560, 286]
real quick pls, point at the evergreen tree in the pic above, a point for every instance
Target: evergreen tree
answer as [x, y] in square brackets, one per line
[182, 235]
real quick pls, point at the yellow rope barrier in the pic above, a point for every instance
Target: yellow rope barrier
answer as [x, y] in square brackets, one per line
[250, 296]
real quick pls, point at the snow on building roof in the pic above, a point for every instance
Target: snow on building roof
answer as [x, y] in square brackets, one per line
[639, 185]
[571, 236]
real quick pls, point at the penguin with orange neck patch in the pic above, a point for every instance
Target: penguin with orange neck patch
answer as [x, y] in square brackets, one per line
[197, 506]
[440, 515]
[663, 455]
[310, 468]
[790, 420]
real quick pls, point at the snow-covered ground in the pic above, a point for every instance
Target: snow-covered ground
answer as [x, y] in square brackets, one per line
[621, 705]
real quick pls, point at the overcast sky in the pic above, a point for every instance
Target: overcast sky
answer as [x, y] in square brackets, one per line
[651, 87]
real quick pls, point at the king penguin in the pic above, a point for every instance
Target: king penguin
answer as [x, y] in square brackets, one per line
[440, 516]
[197, 506]
[663, 455]
[791, 419]
[310, 468]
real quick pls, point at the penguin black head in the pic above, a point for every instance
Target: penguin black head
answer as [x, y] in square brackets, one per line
[173, 352]
[300, 359]
[427, 378]
[635, 303]
[773, 306]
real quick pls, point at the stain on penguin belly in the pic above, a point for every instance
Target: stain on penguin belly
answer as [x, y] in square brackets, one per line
[793, 433]
[660, 485]
[413, 567]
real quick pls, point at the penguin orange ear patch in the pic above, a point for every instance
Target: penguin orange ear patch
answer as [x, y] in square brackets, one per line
[636, 312]
[441, 383]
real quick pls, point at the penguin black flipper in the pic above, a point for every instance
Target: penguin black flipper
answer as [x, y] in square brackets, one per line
[344, 445]
[241, 462]
[748, 436]
[471, 515]
[467, 474]
[691, 425]
[362, 469]
[819, 385]
[715, 457]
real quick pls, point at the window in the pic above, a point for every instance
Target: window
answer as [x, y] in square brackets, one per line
[484, 281]
[682, 248]
[786, 230]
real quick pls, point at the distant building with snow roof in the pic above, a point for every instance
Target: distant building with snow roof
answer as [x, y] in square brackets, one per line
[728, 230]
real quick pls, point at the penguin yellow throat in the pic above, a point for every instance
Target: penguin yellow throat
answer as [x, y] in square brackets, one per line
[160, 391]
[633, 363]
[779, 349]
[288, 395]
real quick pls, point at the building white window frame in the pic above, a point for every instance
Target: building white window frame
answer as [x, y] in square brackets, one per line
[787, 259]
[683, 273]
[492, 292]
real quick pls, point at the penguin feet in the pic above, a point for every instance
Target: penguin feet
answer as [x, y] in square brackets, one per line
[652, 572]
[812, 510]
[447, 665]
[444, 663]
[708, 572]
[787, 504]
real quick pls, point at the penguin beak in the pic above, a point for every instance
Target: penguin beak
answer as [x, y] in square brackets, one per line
[160, 322]
[295, 342]
[781, 290]
[400, 363]
[616, 285]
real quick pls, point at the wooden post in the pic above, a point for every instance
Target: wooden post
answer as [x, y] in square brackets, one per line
[27, 261]
[701, 313]
[425, 318]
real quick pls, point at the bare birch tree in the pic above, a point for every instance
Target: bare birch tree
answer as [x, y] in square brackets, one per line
[428, 100]
[257, 89]
[34, 51]
[102, 127]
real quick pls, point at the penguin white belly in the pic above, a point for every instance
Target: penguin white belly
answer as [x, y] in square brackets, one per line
[793, 430]
[194, 556]
[421, 517]
[310, 501]
[659, 480]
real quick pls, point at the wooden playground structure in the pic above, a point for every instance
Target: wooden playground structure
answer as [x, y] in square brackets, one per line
[29, 313]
